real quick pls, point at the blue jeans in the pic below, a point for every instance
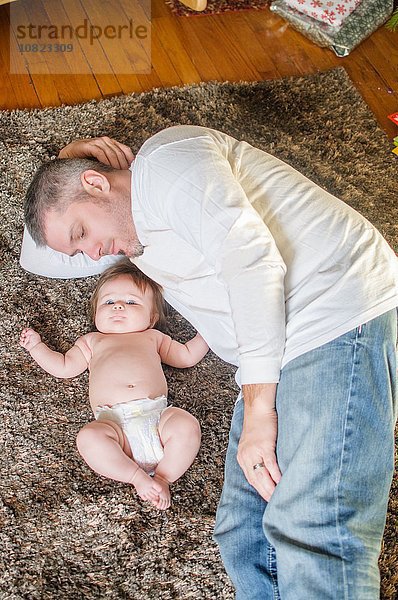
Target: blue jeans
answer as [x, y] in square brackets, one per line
[320, 535]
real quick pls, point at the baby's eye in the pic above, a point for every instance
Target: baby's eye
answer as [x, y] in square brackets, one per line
[109, 302]
[131, 302]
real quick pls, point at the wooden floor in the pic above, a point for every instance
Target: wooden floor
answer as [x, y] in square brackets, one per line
[249, 45]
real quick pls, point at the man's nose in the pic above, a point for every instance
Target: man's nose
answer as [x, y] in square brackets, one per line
[93, 252]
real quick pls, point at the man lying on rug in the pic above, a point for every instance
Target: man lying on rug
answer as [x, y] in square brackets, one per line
[291, 285]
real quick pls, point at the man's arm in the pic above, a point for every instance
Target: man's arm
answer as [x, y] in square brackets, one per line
[105, 149]
[60, 365]
[179, 355]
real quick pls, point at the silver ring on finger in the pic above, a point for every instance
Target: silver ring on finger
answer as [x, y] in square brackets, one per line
[259, 465]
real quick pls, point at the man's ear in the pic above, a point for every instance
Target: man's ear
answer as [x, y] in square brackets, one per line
[95, 184]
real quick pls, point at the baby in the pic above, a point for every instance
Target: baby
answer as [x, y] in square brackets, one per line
[135, 437]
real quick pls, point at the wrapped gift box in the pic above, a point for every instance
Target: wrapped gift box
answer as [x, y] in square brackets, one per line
[360, 24]
[331, 12]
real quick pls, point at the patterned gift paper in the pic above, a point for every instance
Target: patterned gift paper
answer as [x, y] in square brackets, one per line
[332, 12]
[361, 23]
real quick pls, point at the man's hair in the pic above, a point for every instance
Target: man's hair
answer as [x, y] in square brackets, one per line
[142, 281]
[55, 185]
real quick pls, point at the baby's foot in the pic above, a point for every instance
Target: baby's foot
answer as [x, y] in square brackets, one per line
[164, 500]
[146, 486]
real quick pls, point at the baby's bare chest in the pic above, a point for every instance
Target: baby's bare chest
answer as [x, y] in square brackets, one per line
[124, 351]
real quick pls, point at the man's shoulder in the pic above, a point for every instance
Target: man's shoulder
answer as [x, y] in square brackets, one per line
[174, 135]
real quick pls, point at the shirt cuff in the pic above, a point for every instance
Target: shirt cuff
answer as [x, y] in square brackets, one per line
[258, 369]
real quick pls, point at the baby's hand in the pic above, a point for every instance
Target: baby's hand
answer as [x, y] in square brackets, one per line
[29, 339]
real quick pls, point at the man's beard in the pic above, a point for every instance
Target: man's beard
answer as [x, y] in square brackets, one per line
[132, 245]
[135, 249]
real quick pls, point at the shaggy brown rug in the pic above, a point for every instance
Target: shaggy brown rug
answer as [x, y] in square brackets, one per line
[65, 532]
[215, 7]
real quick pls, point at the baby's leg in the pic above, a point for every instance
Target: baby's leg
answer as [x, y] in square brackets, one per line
[105, 449]
[179, 433]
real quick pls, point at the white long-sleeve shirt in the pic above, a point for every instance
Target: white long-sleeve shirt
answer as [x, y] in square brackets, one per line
[264, 263]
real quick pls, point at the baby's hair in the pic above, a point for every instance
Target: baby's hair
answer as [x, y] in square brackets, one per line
[126, 267]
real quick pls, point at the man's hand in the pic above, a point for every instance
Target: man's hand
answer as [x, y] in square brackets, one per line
[105, 149]
[258, 440]
[29, 339]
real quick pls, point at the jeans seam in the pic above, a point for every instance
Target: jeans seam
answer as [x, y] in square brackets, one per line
[343, 449]
[271, 571]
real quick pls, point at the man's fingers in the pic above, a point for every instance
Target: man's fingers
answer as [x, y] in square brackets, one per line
[271, 466]
[262, 481]
[119, 156]
[263, 478]
[123, 153]
[103, 152]
[274, 471]
[127, 153]
[115, 154]
[99, 153]
[104, 149]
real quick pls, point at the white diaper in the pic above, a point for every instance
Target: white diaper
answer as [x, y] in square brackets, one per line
[139, 420]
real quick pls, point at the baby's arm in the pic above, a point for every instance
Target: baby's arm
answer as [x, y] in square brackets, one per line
[182, 355]
[60, 365]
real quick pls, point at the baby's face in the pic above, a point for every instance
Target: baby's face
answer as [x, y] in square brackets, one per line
[122, 307]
